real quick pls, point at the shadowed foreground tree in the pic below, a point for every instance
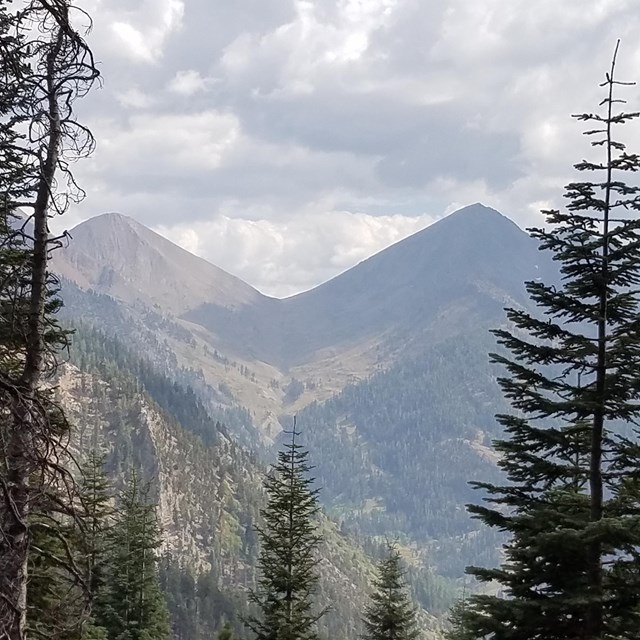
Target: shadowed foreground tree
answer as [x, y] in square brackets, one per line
[390, 614]
[570, 451]
[287, 560]
[44, 66]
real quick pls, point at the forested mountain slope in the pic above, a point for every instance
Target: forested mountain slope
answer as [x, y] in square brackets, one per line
[208, 488]
[398, 450]
[386, 366]
[448, 280]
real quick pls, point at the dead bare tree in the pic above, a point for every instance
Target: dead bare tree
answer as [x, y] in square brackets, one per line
[46, 65]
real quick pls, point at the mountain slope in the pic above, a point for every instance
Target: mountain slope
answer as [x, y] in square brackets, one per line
[275, 356]
[455, 274]
[474, 259]
[209, 489]
[116, 255]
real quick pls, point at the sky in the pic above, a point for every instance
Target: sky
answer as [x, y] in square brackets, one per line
[287, 140]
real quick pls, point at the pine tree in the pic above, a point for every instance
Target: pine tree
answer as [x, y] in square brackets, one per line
[570, 453]
[390, 614]
[132, 606]
[287, 560]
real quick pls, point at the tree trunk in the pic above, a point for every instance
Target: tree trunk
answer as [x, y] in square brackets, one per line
[27, 422]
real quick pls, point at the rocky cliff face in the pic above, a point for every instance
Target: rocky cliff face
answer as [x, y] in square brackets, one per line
[208, 489]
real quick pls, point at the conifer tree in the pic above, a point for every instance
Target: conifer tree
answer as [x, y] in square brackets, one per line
[97, 521]
[287, 561]
[390, 614]
[44, 66]
[570, 453]
[58, 595]
[97, 515]
[67, 556]
[131, 605]
[226, 633]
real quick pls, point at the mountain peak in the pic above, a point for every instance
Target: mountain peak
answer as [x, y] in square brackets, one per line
[477, 216]
[114, 254]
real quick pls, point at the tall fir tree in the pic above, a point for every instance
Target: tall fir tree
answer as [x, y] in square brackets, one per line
[131, 606]
[68, 556]
[289, 541]
[58, 596]
[570, 453]
[95, 497]
[390, 614]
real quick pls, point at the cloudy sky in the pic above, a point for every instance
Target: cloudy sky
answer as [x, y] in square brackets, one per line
[286, 140]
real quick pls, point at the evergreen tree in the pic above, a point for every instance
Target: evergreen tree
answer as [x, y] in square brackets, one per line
[570, 453]
[58, 596]
[131, 606]
[68, 555]
[287, 560]
[97, 517]
[226, 633]
[390, 614]
[45, 65]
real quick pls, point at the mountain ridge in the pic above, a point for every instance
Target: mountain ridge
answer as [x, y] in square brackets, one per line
[385, 365]
[451, 278]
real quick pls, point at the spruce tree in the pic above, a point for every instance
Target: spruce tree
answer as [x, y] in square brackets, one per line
[287, 561]
[390, 614]
[570, 453]
[131, 605]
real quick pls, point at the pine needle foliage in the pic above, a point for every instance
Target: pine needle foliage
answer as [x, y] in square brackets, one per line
[390, 614]
[289, 540]
[570, 450]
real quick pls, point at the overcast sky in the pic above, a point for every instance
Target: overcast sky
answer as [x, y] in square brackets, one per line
[286, 140]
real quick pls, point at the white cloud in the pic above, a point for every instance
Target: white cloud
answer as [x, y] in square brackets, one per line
[188, 82]
[262, 123]
[140, 32]
[134, 98]
[287, 256]
[163, 143]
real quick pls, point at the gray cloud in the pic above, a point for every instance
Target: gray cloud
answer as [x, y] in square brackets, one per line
[248, 118]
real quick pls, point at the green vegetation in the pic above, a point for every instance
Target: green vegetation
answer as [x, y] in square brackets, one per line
[129, 603]
[288, 557]
[405, 428]
[391, 614]
[570, 450]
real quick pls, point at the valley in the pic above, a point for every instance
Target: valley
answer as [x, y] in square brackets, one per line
[385, 367]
